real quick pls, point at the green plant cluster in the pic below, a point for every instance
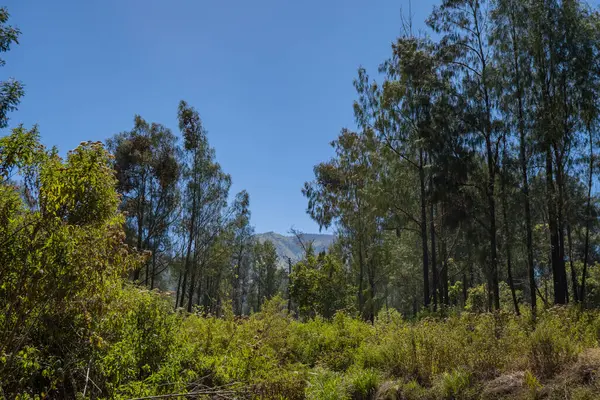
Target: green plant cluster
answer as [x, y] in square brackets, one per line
[143, 348]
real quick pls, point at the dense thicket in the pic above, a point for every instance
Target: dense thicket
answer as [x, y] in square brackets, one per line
[474, 162]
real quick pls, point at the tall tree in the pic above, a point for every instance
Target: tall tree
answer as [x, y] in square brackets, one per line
[510, 40]
[205, 199]
[465, 45]
[241, 250]
[145, 160]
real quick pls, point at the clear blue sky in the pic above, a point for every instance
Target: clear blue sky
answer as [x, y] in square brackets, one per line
[272, 79]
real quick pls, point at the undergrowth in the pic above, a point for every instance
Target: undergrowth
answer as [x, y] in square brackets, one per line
[143, 348]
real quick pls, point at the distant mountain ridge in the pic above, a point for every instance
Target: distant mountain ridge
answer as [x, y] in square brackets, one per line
[288, 246]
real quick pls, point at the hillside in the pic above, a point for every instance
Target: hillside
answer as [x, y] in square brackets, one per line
[289, 247]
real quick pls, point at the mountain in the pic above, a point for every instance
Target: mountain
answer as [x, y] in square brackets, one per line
[288, 246]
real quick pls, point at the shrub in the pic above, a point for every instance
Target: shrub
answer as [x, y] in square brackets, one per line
[362, 383]
[454, 384]
[551, 346]
[326, 385]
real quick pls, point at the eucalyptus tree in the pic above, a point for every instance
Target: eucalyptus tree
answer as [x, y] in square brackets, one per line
[205, 200]
[147, 169]
[342, 195]
[241, 247]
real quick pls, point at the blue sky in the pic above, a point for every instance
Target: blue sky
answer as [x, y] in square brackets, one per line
[272, 79]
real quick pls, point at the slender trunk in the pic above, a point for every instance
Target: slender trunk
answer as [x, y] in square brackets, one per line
[510, 278]
[153, 269]
[199, 288]
[237, 276]
[470, 266]
[561, 231]
[414, 304]
[371, 293]
[434, 269]
[140, 232]
[187, 265]
[586, 246]
[424, 231]
[492, 215]
[146, 273]
[507, 230]
[523, 162]
[571, 264]
[525, 185]
[445, 293]
[258, 292]
[508, 239]
[444, 272]
[491, 163]
[559, 292]
[192, 284]
[288, 286]
[464, 289]
[178, 290]
[361, 267]
[191, 237]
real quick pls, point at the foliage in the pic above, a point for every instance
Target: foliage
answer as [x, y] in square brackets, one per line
[63, 254]
[11, 90]
[318, 285]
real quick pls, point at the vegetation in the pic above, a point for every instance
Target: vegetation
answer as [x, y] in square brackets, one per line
[467, 252]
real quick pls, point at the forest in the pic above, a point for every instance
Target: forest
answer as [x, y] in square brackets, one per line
[466, 260]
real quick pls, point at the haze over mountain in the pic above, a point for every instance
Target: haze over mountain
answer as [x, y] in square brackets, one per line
[289, 246]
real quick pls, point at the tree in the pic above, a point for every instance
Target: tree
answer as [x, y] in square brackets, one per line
[241, 250]
[60, 257]
[465, 46]
[319, 286]
[205, 199]
[341, 194]
[11, 90]
[147, 168]
[265, 274]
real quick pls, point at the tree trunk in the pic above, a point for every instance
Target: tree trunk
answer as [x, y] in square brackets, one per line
[424, 240]
[361, 267]
[140, 232]
[191, 237]
[507, 235]
[178, 290]
[153, 269]
[371, 293]
[559, 292]
[560, 218]
[444, 277]
[586, 246]
[434, 269]
[464, 289]
[492, 215]
[573, 271]
[192, 282]
[507, 239]
[523, 162]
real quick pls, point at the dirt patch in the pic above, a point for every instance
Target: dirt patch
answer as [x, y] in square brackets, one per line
[579, 380]
[508, 386]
